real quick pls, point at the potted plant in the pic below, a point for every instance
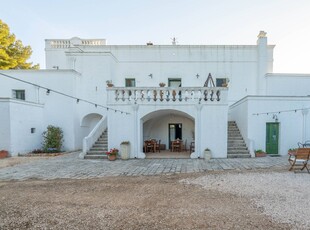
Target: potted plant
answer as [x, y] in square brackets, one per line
[112, 154]
[162, 84]
[4, 154]
[260, 153]
[109, 83]
[125, 150]
[207, 154]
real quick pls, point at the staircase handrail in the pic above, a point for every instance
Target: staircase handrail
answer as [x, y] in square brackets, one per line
[94, 135]
[250, 144]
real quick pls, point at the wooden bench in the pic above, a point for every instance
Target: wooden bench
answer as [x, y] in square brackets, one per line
[299, 159]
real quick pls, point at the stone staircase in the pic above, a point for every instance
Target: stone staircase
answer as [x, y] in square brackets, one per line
[99, 149]
[236, 147]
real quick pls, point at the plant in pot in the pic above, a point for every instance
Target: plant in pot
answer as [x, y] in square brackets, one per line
[112, 154]
[162, 84]
[260, 153]
[109, 83]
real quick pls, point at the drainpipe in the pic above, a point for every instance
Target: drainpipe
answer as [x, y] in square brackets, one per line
[304, 125]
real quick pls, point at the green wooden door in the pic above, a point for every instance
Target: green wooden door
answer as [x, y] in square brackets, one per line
[272, 137]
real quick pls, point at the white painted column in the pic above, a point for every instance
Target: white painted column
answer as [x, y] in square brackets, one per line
[135, 108]
[197, 152]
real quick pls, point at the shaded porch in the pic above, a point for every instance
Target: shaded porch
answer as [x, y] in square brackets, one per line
[167, 154]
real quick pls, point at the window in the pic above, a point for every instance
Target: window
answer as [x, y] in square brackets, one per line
[174, 82]
[221, 82]
[130, 82]
[19, 94]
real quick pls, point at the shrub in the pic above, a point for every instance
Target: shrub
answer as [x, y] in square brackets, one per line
[52, 139]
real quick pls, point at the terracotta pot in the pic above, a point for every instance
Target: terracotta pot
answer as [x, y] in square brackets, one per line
[4, 154]
[110, 85]
[261, 154]
[112, 157]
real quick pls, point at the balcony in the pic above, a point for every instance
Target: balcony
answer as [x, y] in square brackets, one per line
[166, 95]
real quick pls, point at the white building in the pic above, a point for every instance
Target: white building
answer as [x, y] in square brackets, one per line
[136, 108]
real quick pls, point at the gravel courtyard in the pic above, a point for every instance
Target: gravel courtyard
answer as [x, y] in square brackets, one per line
[271, 198]
[235, 200]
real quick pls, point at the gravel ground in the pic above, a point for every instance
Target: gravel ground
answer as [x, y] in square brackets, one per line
[234, 200]
[282, 196]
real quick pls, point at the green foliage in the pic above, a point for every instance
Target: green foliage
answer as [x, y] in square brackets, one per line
[52, 139]
[13, 55]
[259, 151]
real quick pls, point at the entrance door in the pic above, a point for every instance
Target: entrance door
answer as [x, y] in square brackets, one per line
[272, 137]
[175, 132]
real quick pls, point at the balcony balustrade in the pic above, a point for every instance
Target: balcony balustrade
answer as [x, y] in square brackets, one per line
[164, 95]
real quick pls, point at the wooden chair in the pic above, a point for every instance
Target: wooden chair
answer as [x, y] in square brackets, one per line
[148, 146]
[299, 159]
[176, 146]
[157, 146]
[192, 147]
[184, 146]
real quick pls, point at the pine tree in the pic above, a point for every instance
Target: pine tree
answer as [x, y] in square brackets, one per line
[13, 54]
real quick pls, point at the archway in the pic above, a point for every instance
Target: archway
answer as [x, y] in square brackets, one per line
[166, 126]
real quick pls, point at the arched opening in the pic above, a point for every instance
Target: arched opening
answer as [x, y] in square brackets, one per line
[172, 130]
[89, 122]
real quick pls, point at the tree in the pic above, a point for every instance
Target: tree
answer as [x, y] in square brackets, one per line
[13, 55]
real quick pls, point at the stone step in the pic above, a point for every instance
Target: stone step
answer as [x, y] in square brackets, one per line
[102, 139]
[96, 151]
[238, 156]
[101, 142]
[105, 145]
[235, 138]
[99, 149]
[238, 151]
[95, 156]
[237, 147]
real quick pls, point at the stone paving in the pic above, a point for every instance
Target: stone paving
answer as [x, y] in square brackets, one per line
[71, 167]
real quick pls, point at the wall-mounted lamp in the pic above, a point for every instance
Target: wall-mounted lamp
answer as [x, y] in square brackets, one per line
[48, 92]
[55, 67]
[151, 75]
[197, 75]
[275, 117]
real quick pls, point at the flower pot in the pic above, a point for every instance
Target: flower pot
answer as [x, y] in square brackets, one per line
[4, 154]
[260, 154]
[112, 157]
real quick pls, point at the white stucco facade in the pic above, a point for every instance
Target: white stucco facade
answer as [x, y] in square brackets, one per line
[80, 68]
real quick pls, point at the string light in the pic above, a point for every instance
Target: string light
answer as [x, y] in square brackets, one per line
[283, 111]
[48, 91]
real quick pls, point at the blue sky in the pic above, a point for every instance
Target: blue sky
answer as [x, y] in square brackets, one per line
[214, 22]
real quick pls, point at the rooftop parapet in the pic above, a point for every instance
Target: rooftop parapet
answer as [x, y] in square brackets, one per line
[67, 43]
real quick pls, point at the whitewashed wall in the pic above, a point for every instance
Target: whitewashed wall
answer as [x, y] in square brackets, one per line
[288, 84]
[294, 127]
[5, 128]
[57, 110]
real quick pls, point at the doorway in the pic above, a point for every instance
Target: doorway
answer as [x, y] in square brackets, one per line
[175, 132]
[272, 137]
